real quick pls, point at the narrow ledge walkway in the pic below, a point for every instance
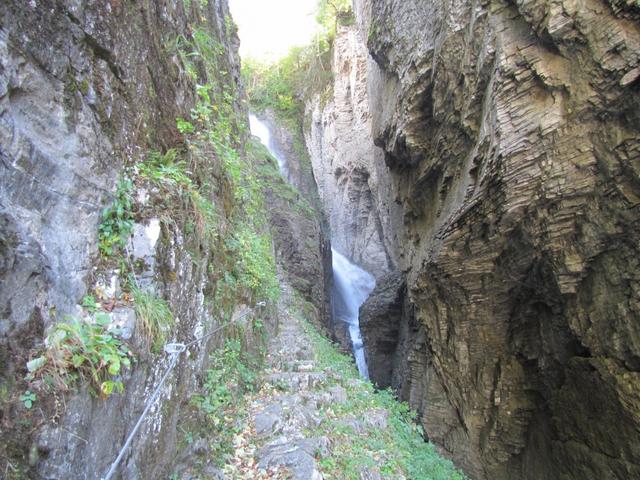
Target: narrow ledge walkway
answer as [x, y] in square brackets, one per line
[314, 418]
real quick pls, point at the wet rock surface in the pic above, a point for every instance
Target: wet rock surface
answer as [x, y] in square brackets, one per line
[289, 144]
[511, 133]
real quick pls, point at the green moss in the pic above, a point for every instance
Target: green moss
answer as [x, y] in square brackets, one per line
[83, 86]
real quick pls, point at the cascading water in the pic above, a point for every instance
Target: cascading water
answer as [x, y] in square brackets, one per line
[352, 286]
[260, 130]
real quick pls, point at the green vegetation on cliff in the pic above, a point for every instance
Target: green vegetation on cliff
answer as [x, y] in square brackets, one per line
[284, 86]
[204, 189]
[79, 350]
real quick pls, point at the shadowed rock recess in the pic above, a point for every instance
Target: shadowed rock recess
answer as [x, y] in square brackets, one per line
[510, 133]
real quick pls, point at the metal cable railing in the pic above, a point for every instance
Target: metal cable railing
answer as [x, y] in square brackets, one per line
[173, 350]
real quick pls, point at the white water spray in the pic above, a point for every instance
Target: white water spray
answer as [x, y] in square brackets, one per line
[352, 286]
[260, 130]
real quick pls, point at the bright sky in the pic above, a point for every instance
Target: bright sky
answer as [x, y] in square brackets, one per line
[268, 28]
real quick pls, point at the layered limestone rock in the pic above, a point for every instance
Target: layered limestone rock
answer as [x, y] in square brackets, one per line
[86, 87]
[381, 318]
[511, 132]
[349, 169]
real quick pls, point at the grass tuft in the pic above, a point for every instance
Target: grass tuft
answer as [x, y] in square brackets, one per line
[153, 318]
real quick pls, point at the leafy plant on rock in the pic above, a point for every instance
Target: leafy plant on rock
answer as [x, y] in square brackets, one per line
[117, 220]
[28, 398]
[81, 350]
[90, 303]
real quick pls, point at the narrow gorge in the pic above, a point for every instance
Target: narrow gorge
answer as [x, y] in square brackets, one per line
[443, 194]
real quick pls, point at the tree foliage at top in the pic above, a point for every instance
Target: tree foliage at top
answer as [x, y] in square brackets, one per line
[283, 86]
[330, 13]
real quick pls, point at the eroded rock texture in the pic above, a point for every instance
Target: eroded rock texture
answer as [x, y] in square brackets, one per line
[349, 169]
[381, 318]
[86, 87]
[511, 133]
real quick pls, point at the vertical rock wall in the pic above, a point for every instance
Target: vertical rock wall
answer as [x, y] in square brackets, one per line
[85, 88]
[299, 227]
[350, 172]
[510, 130]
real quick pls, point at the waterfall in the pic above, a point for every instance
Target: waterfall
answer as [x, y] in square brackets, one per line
[260, 130]
[352, 286]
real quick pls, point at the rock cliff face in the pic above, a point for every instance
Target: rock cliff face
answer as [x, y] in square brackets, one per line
[349, 169]
[300, 231]
[85, 89]
[510, 131]
[290, 145]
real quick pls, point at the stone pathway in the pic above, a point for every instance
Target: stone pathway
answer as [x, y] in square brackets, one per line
[314, 418]
[288, 404]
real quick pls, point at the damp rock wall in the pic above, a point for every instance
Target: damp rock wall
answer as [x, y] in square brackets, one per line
[352, 180]
[87, 91]
[509, 134]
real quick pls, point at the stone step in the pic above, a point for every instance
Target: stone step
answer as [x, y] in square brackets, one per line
[304, 366]
[296, 381]
[278, 418]
[296, 454]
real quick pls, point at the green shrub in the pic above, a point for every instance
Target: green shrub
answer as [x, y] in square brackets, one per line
[244, 269]
[117, 220]
[285, 85]
[204, 214]
[79, 350]
[28, 398]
